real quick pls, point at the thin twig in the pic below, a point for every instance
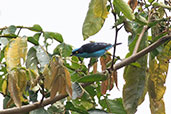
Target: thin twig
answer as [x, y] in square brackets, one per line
[145, 28]
[19, 31]
[117, 66]
[139, 39]
[116, 33]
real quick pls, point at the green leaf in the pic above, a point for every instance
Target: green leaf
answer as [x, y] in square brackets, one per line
[97, 111]
[140, 19]
[155, 22]
[135, 87]
[36, 28]
[92, 61]
[39, 111]
[75, 64]
[136, 64]
[32, 61]
[4, 87]
[42, 56]
[53, 35]
[56, 109]
[92, 24]
[151, 1]
[125, 9]
[120, 21]
[156, 4]
[6, 102]
[63, 50]
[74, 76]
[10, 35]
[34, 39]
[116, 106]
[1, 56]
[33, 96]
[100, 9]
[92, 78]
[11, 29]
[91, 90]
[70, 106]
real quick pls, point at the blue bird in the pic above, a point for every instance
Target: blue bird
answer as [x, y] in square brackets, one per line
[93, 49]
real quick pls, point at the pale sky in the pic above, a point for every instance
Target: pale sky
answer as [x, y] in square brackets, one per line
[67, 17]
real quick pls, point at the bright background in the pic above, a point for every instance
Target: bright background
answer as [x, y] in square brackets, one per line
[67, 17]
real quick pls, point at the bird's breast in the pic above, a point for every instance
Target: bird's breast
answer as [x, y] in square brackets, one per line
[93, 54]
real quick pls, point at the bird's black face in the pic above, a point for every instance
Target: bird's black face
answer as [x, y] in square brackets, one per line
[76, 51]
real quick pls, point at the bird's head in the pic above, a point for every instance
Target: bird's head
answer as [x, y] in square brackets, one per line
[76, 51]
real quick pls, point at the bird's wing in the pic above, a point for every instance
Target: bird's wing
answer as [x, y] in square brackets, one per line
[92, 47]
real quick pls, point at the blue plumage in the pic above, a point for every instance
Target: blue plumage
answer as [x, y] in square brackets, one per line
[90, 50]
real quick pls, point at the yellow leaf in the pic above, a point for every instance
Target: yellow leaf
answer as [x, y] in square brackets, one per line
[34, 77]
[15, 51]
[100, 9]
[14, 90]
[4, 87]
[21, 78]
[16, 85]
[48, 77]
[156, 83]
[92, 23]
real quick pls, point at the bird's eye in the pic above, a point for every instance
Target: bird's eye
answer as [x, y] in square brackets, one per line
[76, 52]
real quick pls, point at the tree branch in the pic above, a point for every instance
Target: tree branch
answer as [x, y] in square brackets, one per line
[30, 107]
[141, 53]
[117, 66]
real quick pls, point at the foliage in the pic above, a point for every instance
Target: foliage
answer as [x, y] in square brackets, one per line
[28, 68]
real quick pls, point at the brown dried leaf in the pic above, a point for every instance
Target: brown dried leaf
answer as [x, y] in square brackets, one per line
[107, 84]
[103, 63]
[104, 87]
[68, 82]
[133, 4]
[48, 77]
[111, 82]
[14, 89]
[104, 60]
[17, 81]
[59, 81]
[115, 77]
[95, 68]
